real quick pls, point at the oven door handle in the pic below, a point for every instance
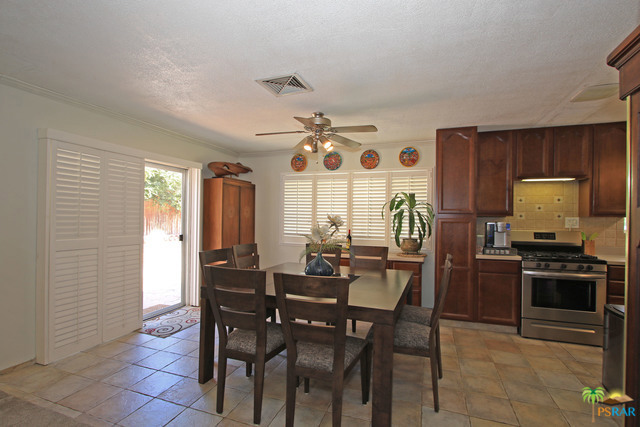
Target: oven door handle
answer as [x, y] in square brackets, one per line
[553, 275]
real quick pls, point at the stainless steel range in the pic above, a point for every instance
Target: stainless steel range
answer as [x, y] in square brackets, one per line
[563, 289]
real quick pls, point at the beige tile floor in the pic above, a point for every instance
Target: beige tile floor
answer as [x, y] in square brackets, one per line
[491, 378]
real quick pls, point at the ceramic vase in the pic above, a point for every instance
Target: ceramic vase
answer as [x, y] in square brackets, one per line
[319, 267]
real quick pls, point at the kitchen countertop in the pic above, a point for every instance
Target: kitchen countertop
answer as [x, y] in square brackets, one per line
[613, 257]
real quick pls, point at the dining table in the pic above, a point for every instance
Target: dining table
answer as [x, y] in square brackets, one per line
[374, 296]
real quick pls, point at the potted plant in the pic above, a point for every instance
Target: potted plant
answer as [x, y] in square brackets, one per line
[420, 216]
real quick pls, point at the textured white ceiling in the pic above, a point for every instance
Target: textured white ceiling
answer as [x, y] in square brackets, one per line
[406, 66]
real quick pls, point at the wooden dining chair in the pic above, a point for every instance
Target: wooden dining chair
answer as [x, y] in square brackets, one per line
[422, 315]
[220, 257]
[367, 258]
[238, 300]
[332, 256]
[246, 255]
[320, 349]
[420, 339]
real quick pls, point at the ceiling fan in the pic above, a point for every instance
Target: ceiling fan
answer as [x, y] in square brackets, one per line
[322, 133]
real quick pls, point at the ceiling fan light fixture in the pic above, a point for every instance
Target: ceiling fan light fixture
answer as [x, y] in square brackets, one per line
[327, 145]
[308, 146]
[330, 148]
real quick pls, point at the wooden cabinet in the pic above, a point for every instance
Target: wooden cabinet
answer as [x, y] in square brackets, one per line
[455, 170]
[563, 152]
[605, 193]
[416, 267]
[456, 217]
[494, 173]
[572, 151]
[615, 284]
[534, 153]
[499, 290]
[228, 213]
[456, 236]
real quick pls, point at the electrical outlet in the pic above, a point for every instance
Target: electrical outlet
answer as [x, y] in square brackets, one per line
[571, 222]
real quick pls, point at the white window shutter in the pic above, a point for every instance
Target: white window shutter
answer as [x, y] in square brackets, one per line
[74, 252]
[369, 194]
[122, 278]
[332, 197]
[297, 207]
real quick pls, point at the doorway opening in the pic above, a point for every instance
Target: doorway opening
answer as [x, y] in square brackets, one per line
[163, 277]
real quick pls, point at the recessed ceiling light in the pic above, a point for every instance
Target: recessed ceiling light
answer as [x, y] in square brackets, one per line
[593, 93]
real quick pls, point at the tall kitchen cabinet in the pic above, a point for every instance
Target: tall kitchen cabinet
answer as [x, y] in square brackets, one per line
[228, 213]
[626, 58]
[456, 217]
[494, 173]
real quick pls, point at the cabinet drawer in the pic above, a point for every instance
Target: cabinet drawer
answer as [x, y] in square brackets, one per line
[408, 266]
[506, 267]
[616, 272]
[615, 288]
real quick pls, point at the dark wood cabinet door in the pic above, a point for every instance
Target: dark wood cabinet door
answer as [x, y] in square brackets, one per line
[499, 290]
[456, 236]
[494, 173]
[572, 151]
[534, 153]
[230, 215]
[455, 170]
[416, 267]
[247, 214]
[609, 182]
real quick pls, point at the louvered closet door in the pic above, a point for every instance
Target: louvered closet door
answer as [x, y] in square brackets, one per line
[123, 228]
[74, 255]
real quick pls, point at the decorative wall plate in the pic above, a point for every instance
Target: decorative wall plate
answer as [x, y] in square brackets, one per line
[299, 162]
[409, 156]
[369, 159]
[332, 160]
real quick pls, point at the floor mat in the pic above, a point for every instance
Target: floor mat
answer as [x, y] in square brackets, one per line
[170, 323]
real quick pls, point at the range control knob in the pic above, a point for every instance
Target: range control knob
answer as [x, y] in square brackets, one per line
[589, 267]
[538, 265]
[563, 266]
[581, 267]
[547, 265]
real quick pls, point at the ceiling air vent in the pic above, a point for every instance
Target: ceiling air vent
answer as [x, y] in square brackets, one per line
[285, 85]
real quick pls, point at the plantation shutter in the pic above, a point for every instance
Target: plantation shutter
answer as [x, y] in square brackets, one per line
[72, 300]
[298, 206]
[369, 193]
[122, 282]
[332, 197]
[410, 182]
[89, 288]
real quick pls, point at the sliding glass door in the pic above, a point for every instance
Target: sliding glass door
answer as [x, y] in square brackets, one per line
[163, 261]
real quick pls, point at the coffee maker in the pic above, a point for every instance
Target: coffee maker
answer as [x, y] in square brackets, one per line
[497, 238]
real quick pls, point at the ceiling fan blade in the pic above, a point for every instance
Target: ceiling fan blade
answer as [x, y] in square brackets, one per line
[347, 129]
[280, 133]
[300, 145]
[305, 121]
[344, 141]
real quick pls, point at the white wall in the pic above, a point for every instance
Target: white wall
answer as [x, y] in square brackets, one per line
[22, 113]
[266, 177]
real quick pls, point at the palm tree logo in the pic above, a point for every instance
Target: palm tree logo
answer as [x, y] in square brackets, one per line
[593, 396]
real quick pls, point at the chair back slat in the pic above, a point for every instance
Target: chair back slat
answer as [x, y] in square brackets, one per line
[237, 299]
[312, 332]
[220, 257]
[246, 256]
[368, 257]
[238, 319]
[442, 292]
[312, 310]
[295, 293]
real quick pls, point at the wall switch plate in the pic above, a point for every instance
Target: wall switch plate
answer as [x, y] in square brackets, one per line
[571, 222]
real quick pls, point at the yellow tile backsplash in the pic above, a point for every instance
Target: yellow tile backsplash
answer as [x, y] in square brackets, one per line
[544, 206]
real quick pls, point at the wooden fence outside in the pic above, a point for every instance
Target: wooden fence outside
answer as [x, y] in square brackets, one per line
[165, 218]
